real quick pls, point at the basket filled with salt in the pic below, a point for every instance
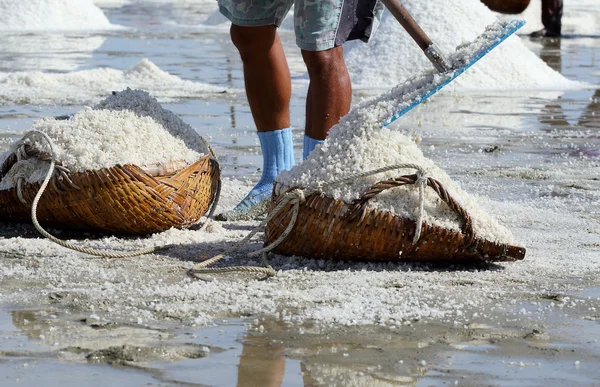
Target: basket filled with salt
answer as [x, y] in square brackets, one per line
[390, 214]
[357, 196]
[125, 166]
[509, 7]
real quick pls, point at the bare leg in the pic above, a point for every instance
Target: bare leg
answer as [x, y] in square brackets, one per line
[268, 88]
[329, 92]
[266, 75]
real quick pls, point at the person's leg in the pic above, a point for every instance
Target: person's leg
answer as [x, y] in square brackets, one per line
[329, 94]
[321, 29]
[551, 19]
[266, 75]
[268, 88]
[551, 16]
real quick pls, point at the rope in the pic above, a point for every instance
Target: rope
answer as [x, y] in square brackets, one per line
[213, 205]
[420, 169]
[295, 198]
[86, 250]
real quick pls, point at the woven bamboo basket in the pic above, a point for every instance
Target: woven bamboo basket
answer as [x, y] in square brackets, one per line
[120, 200]
[332, 229]
[510, 7]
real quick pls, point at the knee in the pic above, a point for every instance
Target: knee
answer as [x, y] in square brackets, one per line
[323, 61]
[252, 41]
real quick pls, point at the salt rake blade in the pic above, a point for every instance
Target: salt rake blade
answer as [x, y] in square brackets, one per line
[428, 83]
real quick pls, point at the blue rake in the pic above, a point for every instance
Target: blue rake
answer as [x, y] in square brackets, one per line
[476, 50]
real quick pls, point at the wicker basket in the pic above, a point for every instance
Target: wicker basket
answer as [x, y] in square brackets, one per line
[331, 229]
[511, 7]
[122, 199]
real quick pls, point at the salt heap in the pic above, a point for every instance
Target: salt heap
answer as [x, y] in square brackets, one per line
[51, 15]
[129, 127]
[83, 86]
[392, 56]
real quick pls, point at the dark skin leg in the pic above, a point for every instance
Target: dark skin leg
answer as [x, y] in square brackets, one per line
[266, 75]
[329, 92]
[268, 85]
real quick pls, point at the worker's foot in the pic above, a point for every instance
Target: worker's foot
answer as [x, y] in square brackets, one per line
[253, 205]
[278, 155]
[544, 33]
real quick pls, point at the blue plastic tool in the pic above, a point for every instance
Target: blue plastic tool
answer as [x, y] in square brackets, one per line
[482, 46]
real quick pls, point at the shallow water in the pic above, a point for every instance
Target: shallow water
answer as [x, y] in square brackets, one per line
[529, 154]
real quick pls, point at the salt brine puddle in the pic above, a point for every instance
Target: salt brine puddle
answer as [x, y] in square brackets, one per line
[530, 158]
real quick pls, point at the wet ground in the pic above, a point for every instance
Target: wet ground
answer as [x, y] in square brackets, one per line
[521, 149]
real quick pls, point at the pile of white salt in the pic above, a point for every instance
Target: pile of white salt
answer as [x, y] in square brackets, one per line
[129, 127]
[392, 56]
[51, 15]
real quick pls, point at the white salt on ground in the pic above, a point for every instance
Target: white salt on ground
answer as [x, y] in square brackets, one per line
[88, 85]
[392, 56]
[129, 127]
[51, 15]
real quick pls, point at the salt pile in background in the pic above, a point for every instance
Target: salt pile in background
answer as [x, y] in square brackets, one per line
[87, 86]
[51, 15]
[127, 128]
[392, 56]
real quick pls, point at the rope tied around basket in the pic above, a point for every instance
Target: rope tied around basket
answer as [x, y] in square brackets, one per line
[21, 166]
[41, 230]
[358, 207]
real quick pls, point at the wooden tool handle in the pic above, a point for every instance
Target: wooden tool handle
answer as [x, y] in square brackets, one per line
[409, 24]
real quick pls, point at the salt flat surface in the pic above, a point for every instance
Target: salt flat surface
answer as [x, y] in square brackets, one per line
[530, 160]
[306, 290]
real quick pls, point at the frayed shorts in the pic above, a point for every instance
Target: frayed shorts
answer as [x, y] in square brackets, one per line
[319, 24]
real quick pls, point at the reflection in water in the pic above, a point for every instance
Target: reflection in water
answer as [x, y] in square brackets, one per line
[263, 361]
[590, 118]
[327, 363]
[46, 52]
[261, 364]
[550, 53]
[554, 113]
[230, 85]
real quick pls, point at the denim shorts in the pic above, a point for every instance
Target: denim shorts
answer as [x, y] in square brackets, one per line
[319, 24]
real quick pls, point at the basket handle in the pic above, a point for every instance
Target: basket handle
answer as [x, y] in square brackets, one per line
[358, 206]
[61, 181]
